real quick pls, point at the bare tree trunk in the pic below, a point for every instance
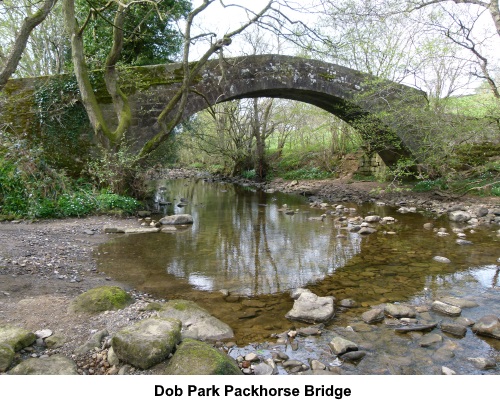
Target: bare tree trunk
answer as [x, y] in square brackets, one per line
[29, 24]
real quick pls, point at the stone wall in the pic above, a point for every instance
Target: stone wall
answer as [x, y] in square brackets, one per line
[371, 166]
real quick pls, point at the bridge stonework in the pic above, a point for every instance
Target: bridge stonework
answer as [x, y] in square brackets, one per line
[371, 105]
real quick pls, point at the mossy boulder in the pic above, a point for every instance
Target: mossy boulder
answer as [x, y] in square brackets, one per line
[147, 342]
[15, 337]
[53, 365]
[197, 322]
[6, 356]
[193, 357]
[101, 299]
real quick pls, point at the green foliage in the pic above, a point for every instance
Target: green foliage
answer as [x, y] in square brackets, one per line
[62, 125]
[76, 204]
[109, 202]
[307, 173]
[249, 174]
[117, 171]
[150, 34]
[31, 188]
[428, 185]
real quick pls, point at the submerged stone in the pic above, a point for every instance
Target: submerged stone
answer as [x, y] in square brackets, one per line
[339, 345]
[488, 325]
[197, 323]
[446, 309]
[308, 307]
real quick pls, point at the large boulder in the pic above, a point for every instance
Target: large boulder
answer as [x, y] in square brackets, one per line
[53, 365]
[6, 356]
[101, 299]
[16, 338]
[308, 307]
[488, 325]
[193, 357]
[196, 322]
[180, 219]
[147, 342]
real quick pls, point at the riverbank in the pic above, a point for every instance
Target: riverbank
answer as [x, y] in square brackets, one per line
[45, 264]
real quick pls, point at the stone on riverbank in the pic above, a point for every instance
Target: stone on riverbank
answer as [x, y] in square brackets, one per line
[446, 309]
[53, 365]
[101, 299]
[197, 323]
[6, 356]
[15, 337]
[180, 219]
[147, 342]
[308, 307]
[459, 216]
[193, 357]
[488, 325]
[94, 341]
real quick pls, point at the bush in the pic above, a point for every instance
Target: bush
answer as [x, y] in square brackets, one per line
[307, 173]
[107, 202]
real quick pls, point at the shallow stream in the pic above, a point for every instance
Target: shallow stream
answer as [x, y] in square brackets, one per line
[243, 255]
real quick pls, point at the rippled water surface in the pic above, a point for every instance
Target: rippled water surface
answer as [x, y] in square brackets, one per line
[242, 241]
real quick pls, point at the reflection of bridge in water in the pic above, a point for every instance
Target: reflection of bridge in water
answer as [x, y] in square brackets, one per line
[355, 97]
[242, 242]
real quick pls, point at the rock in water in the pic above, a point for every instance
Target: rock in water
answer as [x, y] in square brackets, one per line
[373, 315]
[488, 325]
[400, 311]
[308, 307]
[441, 259]
[180, 219]
[459, 216]
[446, 309]
[339, 345]
[197, 323]
[147, 342]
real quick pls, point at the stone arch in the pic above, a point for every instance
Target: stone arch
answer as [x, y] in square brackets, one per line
[355, 97]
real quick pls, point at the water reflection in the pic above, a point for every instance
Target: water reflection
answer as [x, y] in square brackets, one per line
[241, 241]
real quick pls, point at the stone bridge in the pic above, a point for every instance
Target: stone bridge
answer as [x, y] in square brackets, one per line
[373, 106]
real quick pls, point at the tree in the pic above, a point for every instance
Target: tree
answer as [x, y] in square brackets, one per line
[28, 25]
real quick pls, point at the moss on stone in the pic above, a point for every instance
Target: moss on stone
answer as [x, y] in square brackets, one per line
[15, 337]
[101, 299]
[193, 357]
